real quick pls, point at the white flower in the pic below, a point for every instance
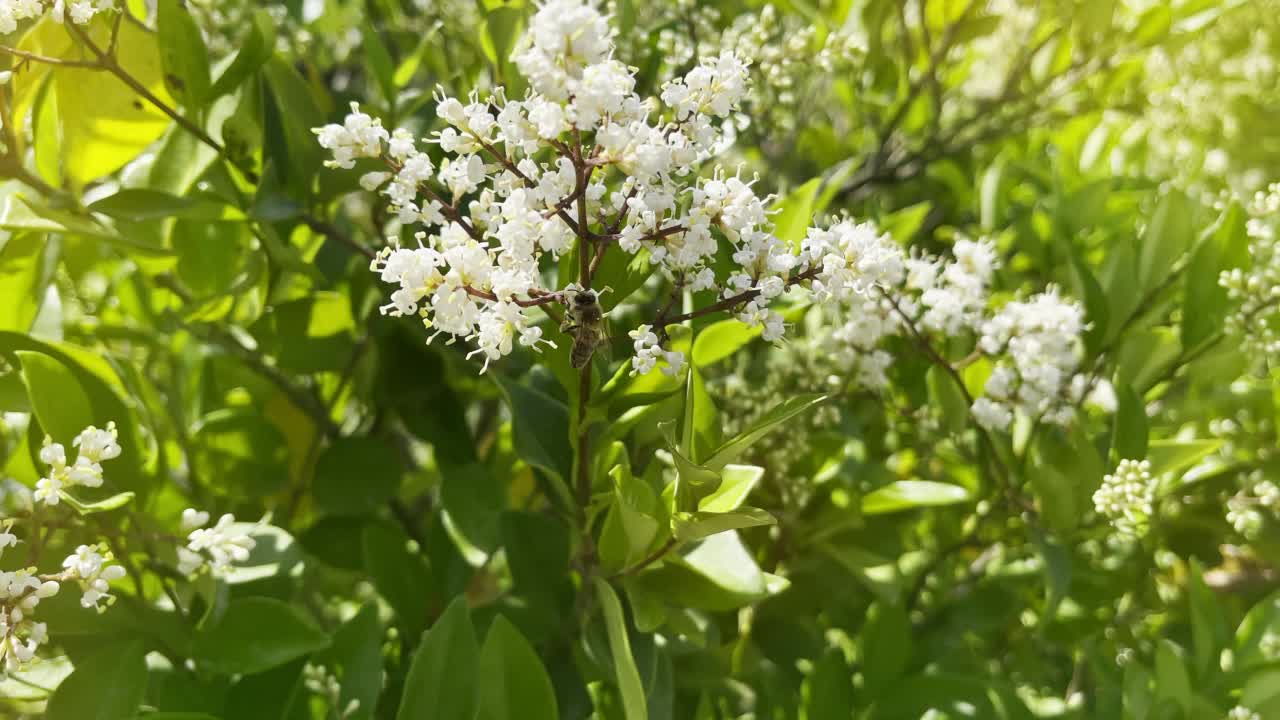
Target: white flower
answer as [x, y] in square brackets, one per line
[360, 136]
[98, 445]
[1126, 497]
[93, 445]
[91, 569]
[990, 414]
[222, 544]
[192, 519]
[1240, 712]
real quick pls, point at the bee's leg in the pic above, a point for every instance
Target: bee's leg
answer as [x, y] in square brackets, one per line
[568, 327]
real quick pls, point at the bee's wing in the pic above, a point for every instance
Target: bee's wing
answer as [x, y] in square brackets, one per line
[605, 346]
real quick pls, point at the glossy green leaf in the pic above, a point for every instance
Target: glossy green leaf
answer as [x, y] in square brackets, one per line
[356, 475]
[796, 212]
[688, 527]
[237, 643]
[515, 682]
[775, 419]
[444, 676]
[910, 495]
[107, 685]
[627, 677]
[59, 401]
[182, 51]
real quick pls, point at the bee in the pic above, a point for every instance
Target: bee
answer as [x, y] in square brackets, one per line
[584, 321]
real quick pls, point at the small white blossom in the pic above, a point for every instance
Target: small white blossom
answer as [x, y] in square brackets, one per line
[219, 546]
[1127, 497]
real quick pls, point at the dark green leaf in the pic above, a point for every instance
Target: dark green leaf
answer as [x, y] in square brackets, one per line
[107, 685]
[516, 685]
[256, 634]
[443, 678]
[182, 51]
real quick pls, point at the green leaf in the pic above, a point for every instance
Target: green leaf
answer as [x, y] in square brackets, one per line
[103, 390]
[688, 527]
[1175, 456]
[99, 131]
[541, 427]
[356, 657]
[949, 398]
[501, 28]
[356, 476]
[516, 685]
[632, 524]
[107, 685]
[380, 61]
[736, 482]
[59, 401]
[1262, 619]
[1208, 626]
[722, 339]
[1172, 681]
[537, 549]
[442, 679]
[1169, 235]
[140, 204]
[1129, 430]
[244, 449]
[718, 574]
[1205, 303]
[114, 502]
[474, 499]
[911, 494]
[700, 431]
[773, 420]
[23, 278]
[256, 49]
[256, 634]
[628, 677]
[298, 158]
[886, 646]
[828, 691]
[796, 213]
[186, 62]
[401, 576]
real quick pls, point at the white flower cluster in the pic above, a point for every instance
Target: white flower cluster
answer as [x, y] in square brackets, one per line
[79, 12]
[323, 683]
[1249, 509]
[94, 445]
[621, 172]
[1038, 342]
[1126, 497]
[22, 590]
[649, 352]
[1240, 712]
[1256, 290]
[89, 567]
[215, 548]
[1034, 345]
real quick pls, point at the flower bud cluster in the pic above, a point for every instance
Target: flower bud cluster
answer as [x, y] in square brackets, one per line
[21, 591]
[94, 446]
[1249, 509]
[1127, 497]
[213, 548]
[1256, 289]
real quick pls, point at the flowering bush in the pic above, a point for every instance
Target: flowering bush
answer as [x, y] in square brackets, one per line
[796, 360]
